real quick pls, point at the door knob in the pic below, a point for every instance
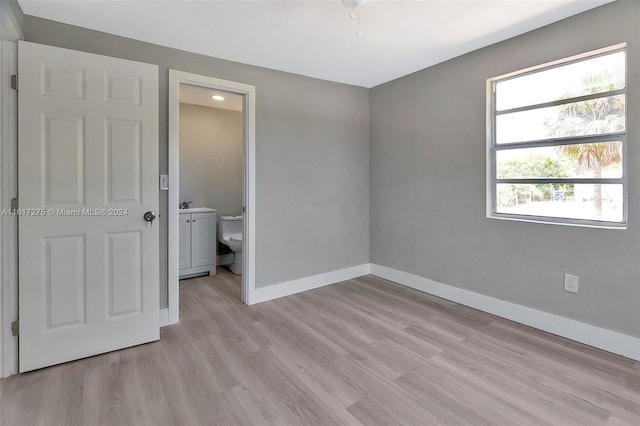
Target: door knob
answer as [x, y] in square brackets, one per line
[149, 217]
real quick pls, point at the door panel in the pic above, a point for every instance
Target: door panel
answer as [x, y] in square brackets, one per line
[123, 89]
[123, 161]
[88, 168]
[63, 81]
[123, 269]
[64, 281]
[64, 147]
[203, 239]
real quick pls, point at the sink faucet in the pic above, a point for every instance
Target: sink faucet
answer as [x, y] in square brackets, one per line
[185, 204]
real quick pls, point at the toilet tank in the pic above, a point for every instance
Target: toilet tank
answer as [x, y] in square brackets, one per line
[230, 225]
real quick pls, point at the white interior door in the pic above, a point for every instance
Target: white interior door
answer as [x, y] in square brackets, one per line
[88, 170]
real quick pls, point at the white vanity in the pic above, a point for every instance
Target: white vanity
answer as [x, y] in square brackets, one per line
[198, 242]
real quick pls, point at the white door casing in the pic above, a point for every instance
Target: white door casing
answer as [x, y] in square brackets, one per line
[185, 241]
[8, 223]
[88, 167]
[176, 78]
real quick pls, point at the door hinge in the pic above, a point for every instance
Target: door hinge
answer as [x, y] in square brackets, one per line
[15, 328]
[14, 81]
[14, 204]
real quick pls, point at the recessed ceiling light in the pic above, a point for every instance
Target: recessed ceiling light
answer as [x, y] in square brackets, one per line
[217, 98]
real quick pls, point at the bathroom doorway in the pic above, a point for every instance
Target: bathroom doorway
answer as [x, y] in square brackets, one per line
[225, 193]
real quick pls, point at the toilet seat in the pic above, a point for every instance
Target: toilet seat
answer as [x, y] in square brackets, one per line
[236, 237]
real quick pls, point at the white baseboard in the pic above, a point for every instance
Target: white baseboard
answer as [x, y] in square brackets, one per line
[591, 335]
[309, 283]
[164, 317]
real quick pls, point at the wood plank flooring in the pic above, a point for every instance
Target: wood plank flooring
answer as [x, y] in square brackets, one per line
[365, 351]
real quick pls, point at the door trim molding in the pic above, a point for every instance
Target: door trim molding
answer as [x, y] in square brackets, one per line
[249, 247]
[8, 224]
[164, 317]
[10, 31]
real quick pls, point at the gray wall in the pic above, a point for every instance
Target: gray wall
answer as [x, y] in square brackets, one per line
[312, 155]
[211, 158]
[427, 161]
[10, 8]
[428, 184]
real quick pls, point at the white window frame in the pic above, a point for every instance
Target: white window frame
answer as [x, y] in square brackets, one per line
[493, 146]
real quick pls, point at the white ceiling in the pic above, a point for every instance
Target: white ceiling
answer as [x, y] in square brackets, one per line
[317, 38]
[202, 96]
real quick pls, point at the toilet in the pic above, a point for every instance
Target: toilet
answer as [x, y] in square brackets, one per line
[230, 233]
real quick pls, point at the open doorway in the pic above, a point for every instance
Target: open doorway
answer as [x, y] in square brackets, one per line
[210, 214]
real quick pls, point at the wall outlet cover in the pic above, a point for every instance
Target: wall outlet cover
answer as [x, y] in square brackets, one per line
[571, 283]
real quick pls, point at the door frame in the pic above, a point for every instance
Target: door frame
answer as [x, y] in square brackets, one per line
[8, 223]
[249, 193]
[10, 32]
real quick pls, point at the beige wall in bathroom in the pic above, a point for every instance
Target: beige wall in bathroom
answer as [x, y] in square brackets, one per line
[211, 158]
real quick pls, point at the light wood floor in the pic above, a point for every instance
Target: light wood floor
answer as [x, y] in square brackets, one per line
[365, 351]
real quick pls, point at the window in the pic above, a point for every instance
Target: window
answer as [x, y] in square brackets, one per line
[557, 142]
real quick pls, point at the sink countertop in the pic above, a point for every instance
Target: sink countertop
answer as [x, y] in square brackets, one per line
[196, 210]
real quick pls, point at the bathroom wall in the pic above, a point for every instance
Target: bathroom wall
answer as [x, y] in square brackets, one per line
[428, 183]
[211, 158]
[312, 155]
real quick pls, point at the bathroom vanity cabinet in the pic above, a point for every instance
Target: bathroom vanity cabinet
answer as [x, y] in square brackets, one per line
[198, 243]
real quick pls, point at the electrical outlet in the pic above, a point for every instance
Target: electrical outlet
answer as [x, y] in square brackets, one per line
[571, 283]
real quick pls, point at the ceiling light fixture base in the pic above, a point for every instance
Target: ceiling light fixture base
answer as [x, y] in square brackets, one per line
[353, 3]
[355, 12]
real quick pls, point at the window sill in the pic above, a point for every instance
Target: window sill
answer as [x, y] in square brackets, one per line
[559, 221]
